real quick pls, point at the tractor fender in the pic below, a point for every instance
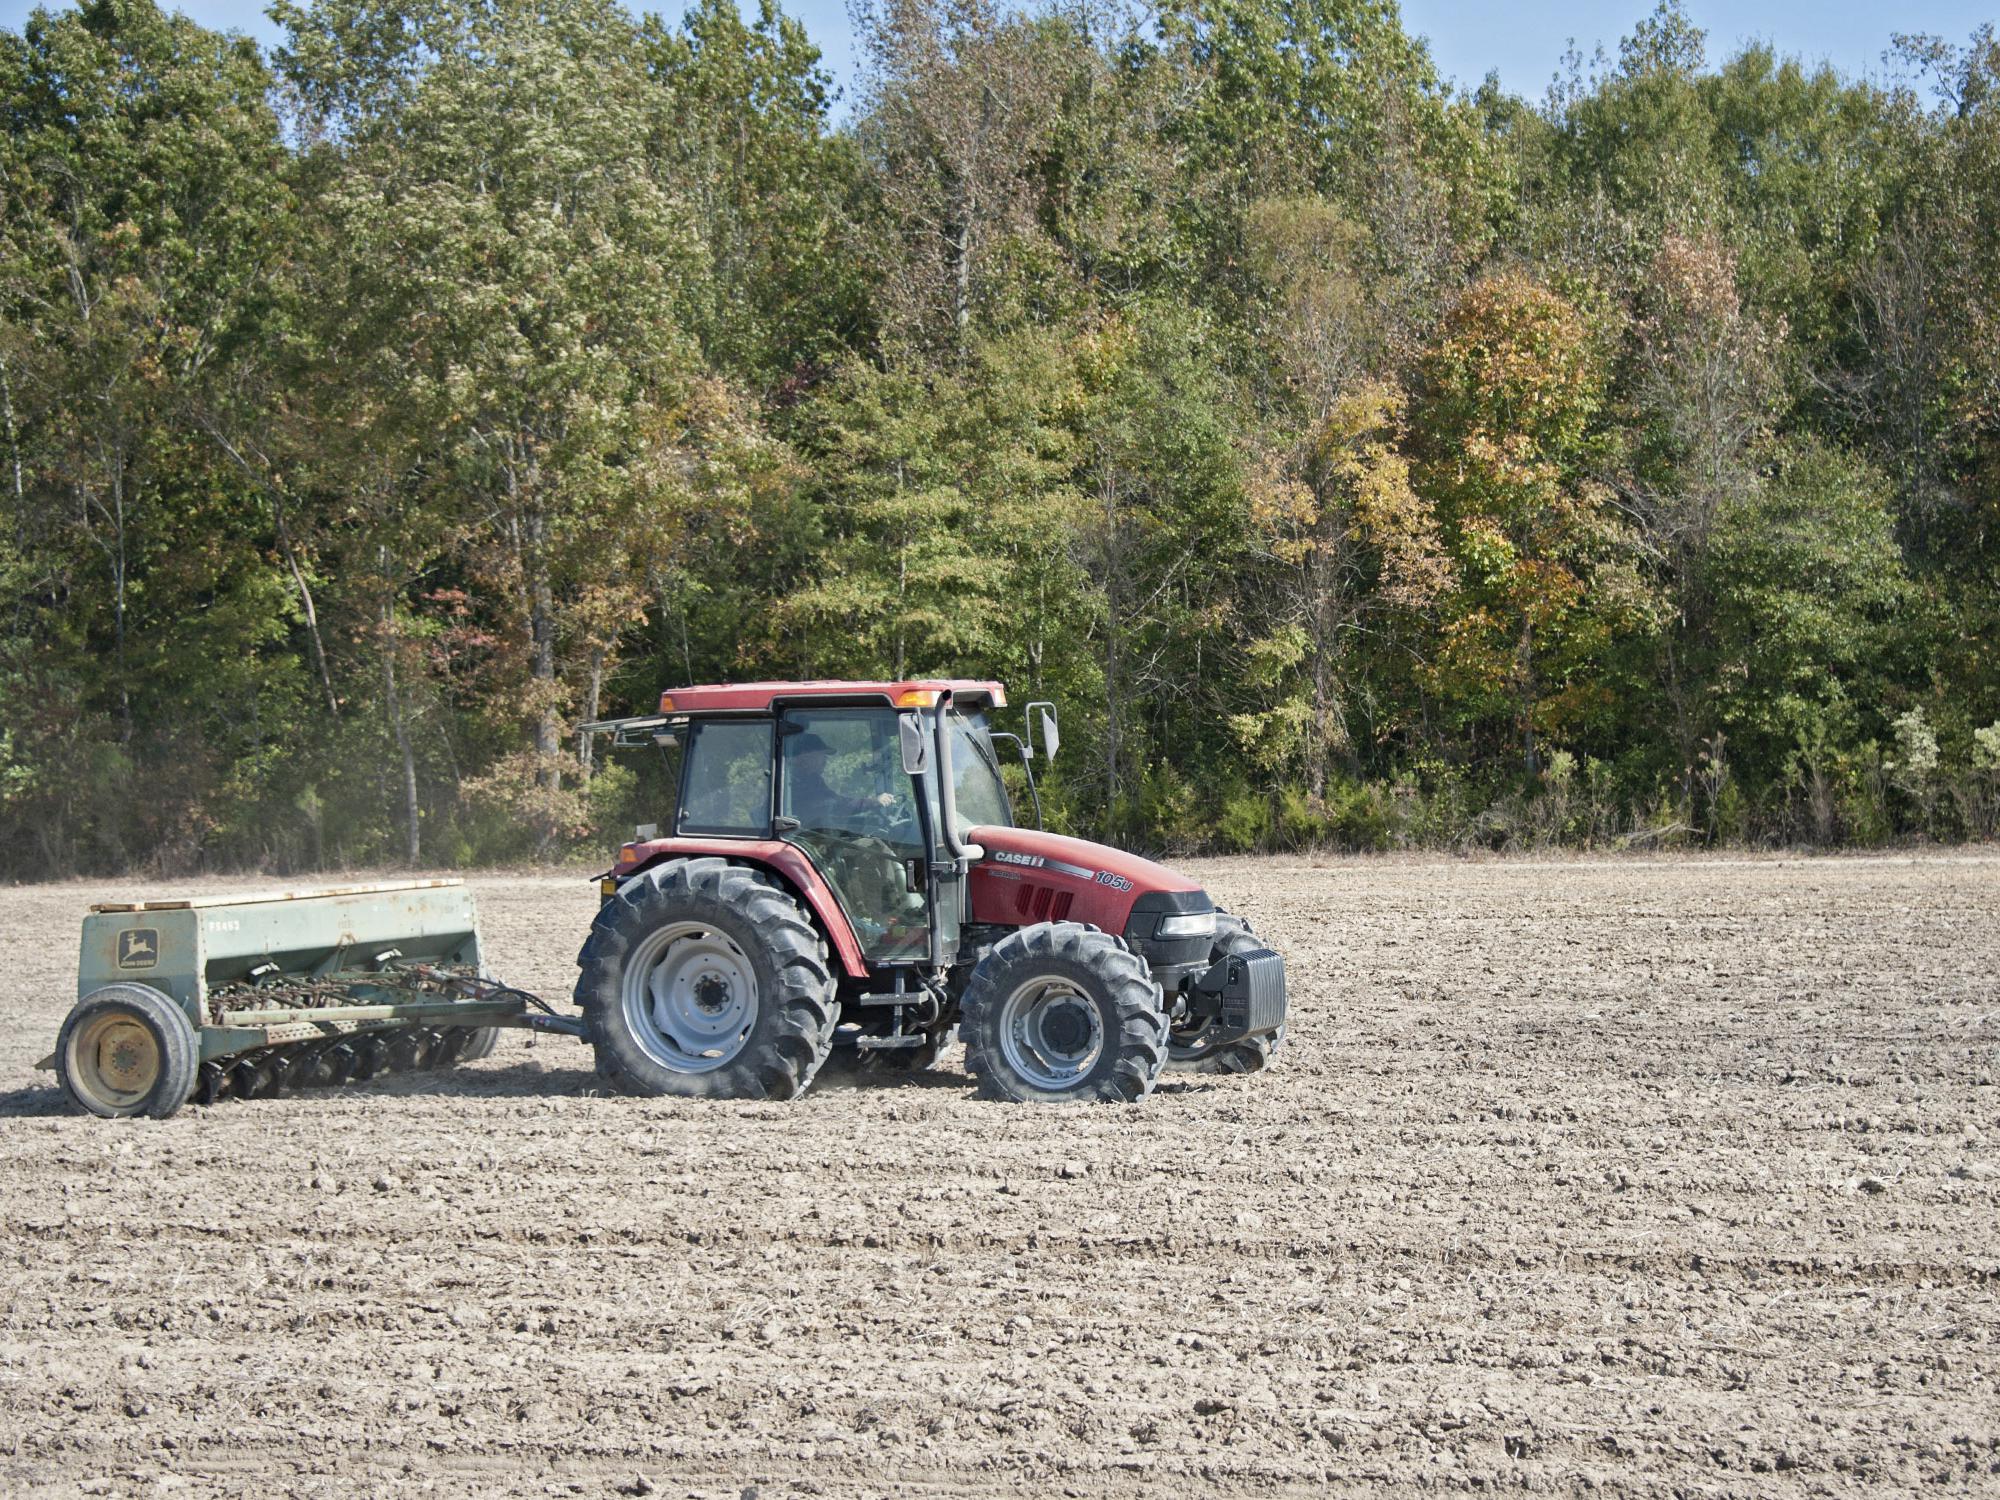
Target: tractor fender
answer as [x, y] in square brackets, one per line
[787, 862]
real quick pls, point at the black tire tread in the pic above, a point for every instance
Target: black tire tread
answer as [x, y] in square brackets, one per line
[480, 1042]
[1138, 1040]
[180, 1048]
[800, 1034]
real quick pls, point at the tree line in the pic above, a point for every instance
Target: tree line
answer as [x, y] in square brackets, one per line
[1356, 460]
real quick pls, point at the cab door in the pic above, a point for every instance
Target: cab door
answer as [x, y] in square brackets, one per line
[843, 798]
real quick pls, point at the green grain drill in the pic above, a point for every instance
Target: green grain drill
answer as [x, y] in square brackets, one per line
[245, 995]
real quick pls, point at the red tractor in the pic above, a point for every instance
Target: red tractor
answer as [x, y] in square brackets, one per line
[843, 873]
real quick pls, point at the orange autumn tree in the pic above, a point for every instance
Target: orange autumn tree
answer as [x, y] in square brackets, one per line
[1340, 541]
[1345, 541]
[1506, 440]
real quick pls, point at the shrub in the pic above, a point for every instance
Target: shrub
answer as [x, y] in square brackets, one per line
[1244, 822]
[1362, 817]
[1914, 770]
[1300, 824]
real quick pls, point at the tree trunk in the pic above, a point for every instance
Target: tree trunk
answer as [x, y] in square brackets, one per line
[1686, 737]
[306, 607]
[962, 283]
[13, 444]
[963, 209]
[1320, 744]
[19, 486]
[593, 696]
[1114, 724]
[902, 579]
[315, 644]
[392, 701]
[542, 644]
[1524, 666]
[118, 571]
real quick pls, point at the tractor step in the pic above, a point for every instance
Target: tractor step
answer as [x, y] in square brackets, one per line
[906, 997]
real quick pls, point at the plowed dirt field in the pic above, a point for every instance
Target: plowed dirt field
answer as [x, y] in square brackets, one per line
[1628, 1177]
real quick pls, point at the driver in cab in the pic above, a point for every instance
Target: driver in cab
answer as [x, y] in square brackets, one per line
[816, 804]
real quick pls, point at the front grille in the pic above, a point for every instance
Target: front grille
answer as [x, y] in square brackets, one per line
[1173, 953]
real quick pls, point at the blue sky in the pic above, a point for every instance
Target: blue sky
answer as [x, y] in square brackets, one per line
[1523, 43]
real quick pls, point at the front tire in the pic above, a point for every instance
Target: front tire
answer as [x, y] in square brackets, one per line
[126, 1049]
[706, 979]
[1189, 1053]
[1063, 1011]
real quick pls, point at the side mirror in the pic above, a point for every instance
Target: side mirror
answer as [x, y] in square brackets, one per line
[1050, 737]
[916, 744]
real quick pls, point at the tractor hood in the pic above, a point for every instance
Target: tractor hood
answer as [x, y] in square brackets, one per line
[1029, 876]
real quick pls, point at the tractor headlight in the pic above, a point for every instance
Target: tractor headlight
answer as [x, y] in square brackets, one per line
[1190, 924]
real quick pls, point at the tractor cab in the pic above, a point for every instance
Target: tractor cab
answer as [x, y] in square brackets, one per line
[877, 814]
[847, 775]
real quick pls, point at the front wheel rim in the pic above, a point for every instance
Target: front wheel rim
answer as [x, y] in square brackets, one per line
[114, 1060]
[690, 998]
[1051, 1034]
[1192, 1039]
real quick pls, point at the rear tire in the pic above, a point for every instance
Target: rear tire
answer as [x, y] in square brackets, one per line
[1189, 1054]
[126, 1049]
[704, 979]
[1063, 1011]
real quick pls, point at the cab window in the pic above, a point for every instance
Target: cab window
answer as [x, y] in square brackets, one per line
[726, 785]
[843, 784]
[975, 776]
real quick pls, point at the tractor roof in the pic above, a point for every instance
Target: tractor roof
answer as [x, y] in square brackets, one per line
[754, 697]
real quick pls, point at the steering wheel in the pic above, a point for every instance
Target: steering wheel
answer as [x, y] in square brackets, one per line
[894, 819]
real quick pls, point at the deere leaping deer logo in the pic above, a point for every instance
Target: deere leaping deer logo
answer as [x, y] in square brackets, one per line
[138, 947]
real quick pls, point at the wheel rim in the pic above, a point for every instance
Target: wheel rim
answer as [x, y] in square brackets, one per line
[1192, 1039]
[690, 998]
[115, 1061]
[1051, 1034]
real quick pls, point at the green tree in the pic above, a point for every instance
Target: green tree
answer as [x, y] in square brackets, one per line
[911, 582]
[1808, 583]
[1160, 520]
[775, 195]
[142, 209]
[517, 264]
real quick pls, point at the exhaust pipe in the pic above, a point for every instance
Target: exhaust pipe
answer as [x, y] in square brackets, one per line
[963, 852]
